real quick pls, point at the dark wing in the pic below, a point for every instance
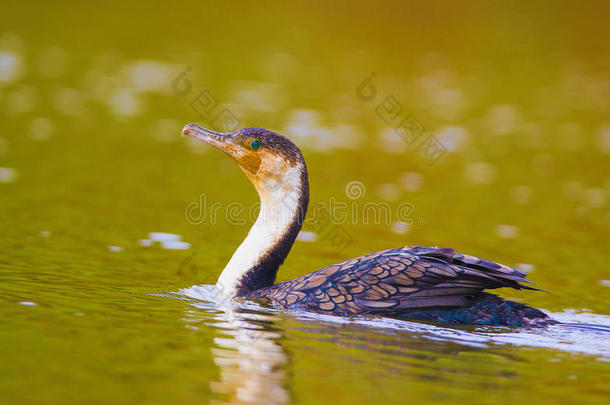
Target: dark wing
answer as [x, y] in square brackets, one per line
[395, 281]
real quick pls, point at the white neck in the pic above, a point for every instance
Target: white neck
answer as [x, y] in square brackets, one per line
[271, 235]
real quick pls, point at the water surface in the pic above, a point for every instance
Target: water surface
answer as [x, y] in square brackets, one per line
[107, 218]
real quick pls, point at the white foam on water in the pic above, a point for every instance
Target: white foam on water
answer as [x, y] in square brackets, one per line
[163, 236]
[11, 67]
[605, 283]
[145, 242]
[507, 231]
[400, 227]
[306, 236]
[175, 245]
[8, 175]
[526, 267]
[453, 138]
[391, 142]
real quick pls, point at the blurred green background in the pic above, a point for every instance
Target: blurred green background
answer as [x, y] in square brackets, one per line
[91, 107]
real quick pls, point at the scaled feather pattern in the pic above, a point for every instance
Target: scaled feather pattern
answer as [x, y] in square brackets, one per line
[408, 281]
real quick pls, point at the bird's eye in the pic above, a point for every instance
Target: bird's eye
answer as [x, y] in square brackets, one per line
[255, 144]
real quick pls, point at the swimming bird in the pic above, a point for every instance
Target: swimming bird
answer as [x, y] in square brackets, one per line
[421, 283]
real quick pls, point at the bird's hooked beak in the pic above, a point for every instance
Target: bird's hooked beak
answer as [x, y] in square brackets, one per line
[226, 142]
[220, 140]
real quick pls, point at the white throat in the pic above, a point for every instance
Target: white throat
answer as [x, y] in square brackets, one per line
[280, 198]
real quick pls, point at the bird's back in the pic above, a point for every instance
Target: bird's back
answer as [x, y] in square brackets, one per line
[396, 282]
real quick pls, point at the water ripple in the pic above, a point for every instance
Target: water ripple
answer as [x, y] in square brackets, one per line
[584, 333]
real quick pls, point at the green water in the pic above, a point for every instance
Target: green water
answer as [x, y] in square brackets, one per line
[91, 162]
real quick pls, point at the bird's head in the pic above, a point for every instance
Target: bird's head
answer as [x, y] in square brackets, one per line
[271, 161]
[277, 169]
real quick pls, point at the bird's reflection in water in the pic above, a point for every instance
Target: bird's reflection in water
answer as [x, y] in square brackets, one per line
[247, 351]
[253, 364]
